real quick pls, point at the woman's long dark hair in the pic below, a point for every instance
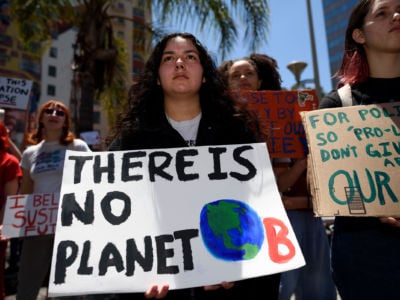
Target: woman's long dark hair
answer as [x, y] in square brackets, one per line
[146, 98]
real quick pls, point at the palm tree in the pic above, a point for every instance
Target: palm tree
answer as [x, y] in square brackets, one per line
[96, 50]
[98, 59]
[220, 18]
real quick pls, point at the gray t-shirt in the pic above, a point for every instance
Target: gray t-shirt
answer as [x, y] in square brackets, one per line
[45, 162]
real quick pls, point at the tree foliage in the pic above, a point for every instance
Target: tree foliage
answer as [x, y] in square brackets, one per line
[221, 18]
[100, 58]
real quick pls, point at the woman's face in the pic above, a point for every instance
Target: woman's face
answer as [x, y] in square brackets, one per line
[242, 75]
[381, 29]
[180, 71]
[53, 117]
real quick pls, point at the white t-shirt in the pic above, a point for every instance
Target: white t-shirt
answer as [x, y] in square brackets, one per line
[187, 129]
[45, 162]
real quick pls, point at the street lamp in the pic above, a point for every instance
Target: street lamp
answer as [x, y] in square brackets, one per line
[313, 51]
[297, 67]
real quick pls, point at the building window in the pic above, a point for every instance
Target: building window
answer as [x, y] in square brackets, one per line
[28, 64]
[52, 71]
[119, 6]
[6, 40]
[51, 90]
[120, 21]
[53, 52]
[96, 117]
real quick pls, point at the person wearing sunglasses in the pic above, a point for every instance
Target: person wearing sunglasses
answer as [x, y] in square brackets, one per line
[42, 166]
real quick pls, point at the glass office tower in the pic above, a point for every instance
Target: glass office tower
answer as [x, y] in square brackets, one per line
[336, 14]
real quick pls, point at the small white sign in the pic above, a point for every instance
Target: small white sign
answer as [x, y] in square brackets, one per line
[14, 93]
[29, 215]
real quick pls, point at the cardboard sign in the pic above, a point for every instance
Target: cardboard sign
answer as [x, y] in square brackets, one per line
[354, 160]
[14, 93]
[278, 112]
[185, 217]
[29, 215]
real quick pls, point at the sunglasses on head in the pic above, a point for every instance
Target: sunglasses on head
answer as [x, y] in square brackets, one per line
[59, 113]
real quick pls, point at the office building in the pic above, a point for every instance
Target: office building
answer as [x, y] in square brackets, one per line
[53, 71]
[336, 14]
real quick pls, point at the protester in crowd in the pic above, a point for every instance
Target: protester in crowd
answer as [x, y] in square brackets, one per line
[14, 150]
[313, 281]
[365, 259]
[10, 175]
[42, 166]
[10, 273]
[257, 72]
[178, 101]
[15, 121]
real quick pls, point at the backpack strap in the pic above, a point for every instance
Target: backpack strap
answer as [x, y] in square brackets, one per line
[345, 95]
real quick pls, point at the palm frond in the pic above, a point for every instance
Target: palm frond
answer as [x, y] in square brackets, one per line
[220, 18]
[41, 20]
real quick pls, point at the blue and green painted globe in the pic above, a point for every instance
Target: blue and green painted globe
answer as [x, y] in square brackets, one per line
[231, 230]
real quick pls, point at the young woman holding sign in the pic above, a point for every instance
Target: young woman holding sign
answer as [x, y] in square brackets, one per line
[365, 250]
[179, 100]
[42, 166]
[313, 281]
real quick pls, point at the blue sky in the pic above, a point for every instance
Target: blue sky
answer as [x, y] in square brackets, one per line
[288, 40]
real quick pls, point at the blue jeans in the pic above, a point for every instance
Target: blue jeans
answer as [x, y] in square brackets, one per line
[366, 259]
[314, 280]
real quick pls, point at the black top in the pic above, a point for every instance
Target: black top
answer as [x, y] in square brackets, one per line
[372, 91]
[158, 133]
[162, 135]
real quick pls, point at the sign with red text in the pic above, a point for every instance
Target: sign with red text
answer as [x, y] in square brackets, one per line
[29, 215]
[14, 92]
[279, 115]
[355, 160]
[185, 217]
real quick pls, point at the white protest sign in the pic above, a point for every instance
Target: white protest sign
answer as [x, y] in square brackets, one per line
[29, 215]
[14, 92]
[355, 159]
[185, 217]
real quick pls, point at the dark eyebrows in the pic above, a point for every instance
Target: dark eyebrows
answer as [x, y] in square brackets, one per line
[185, 51]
